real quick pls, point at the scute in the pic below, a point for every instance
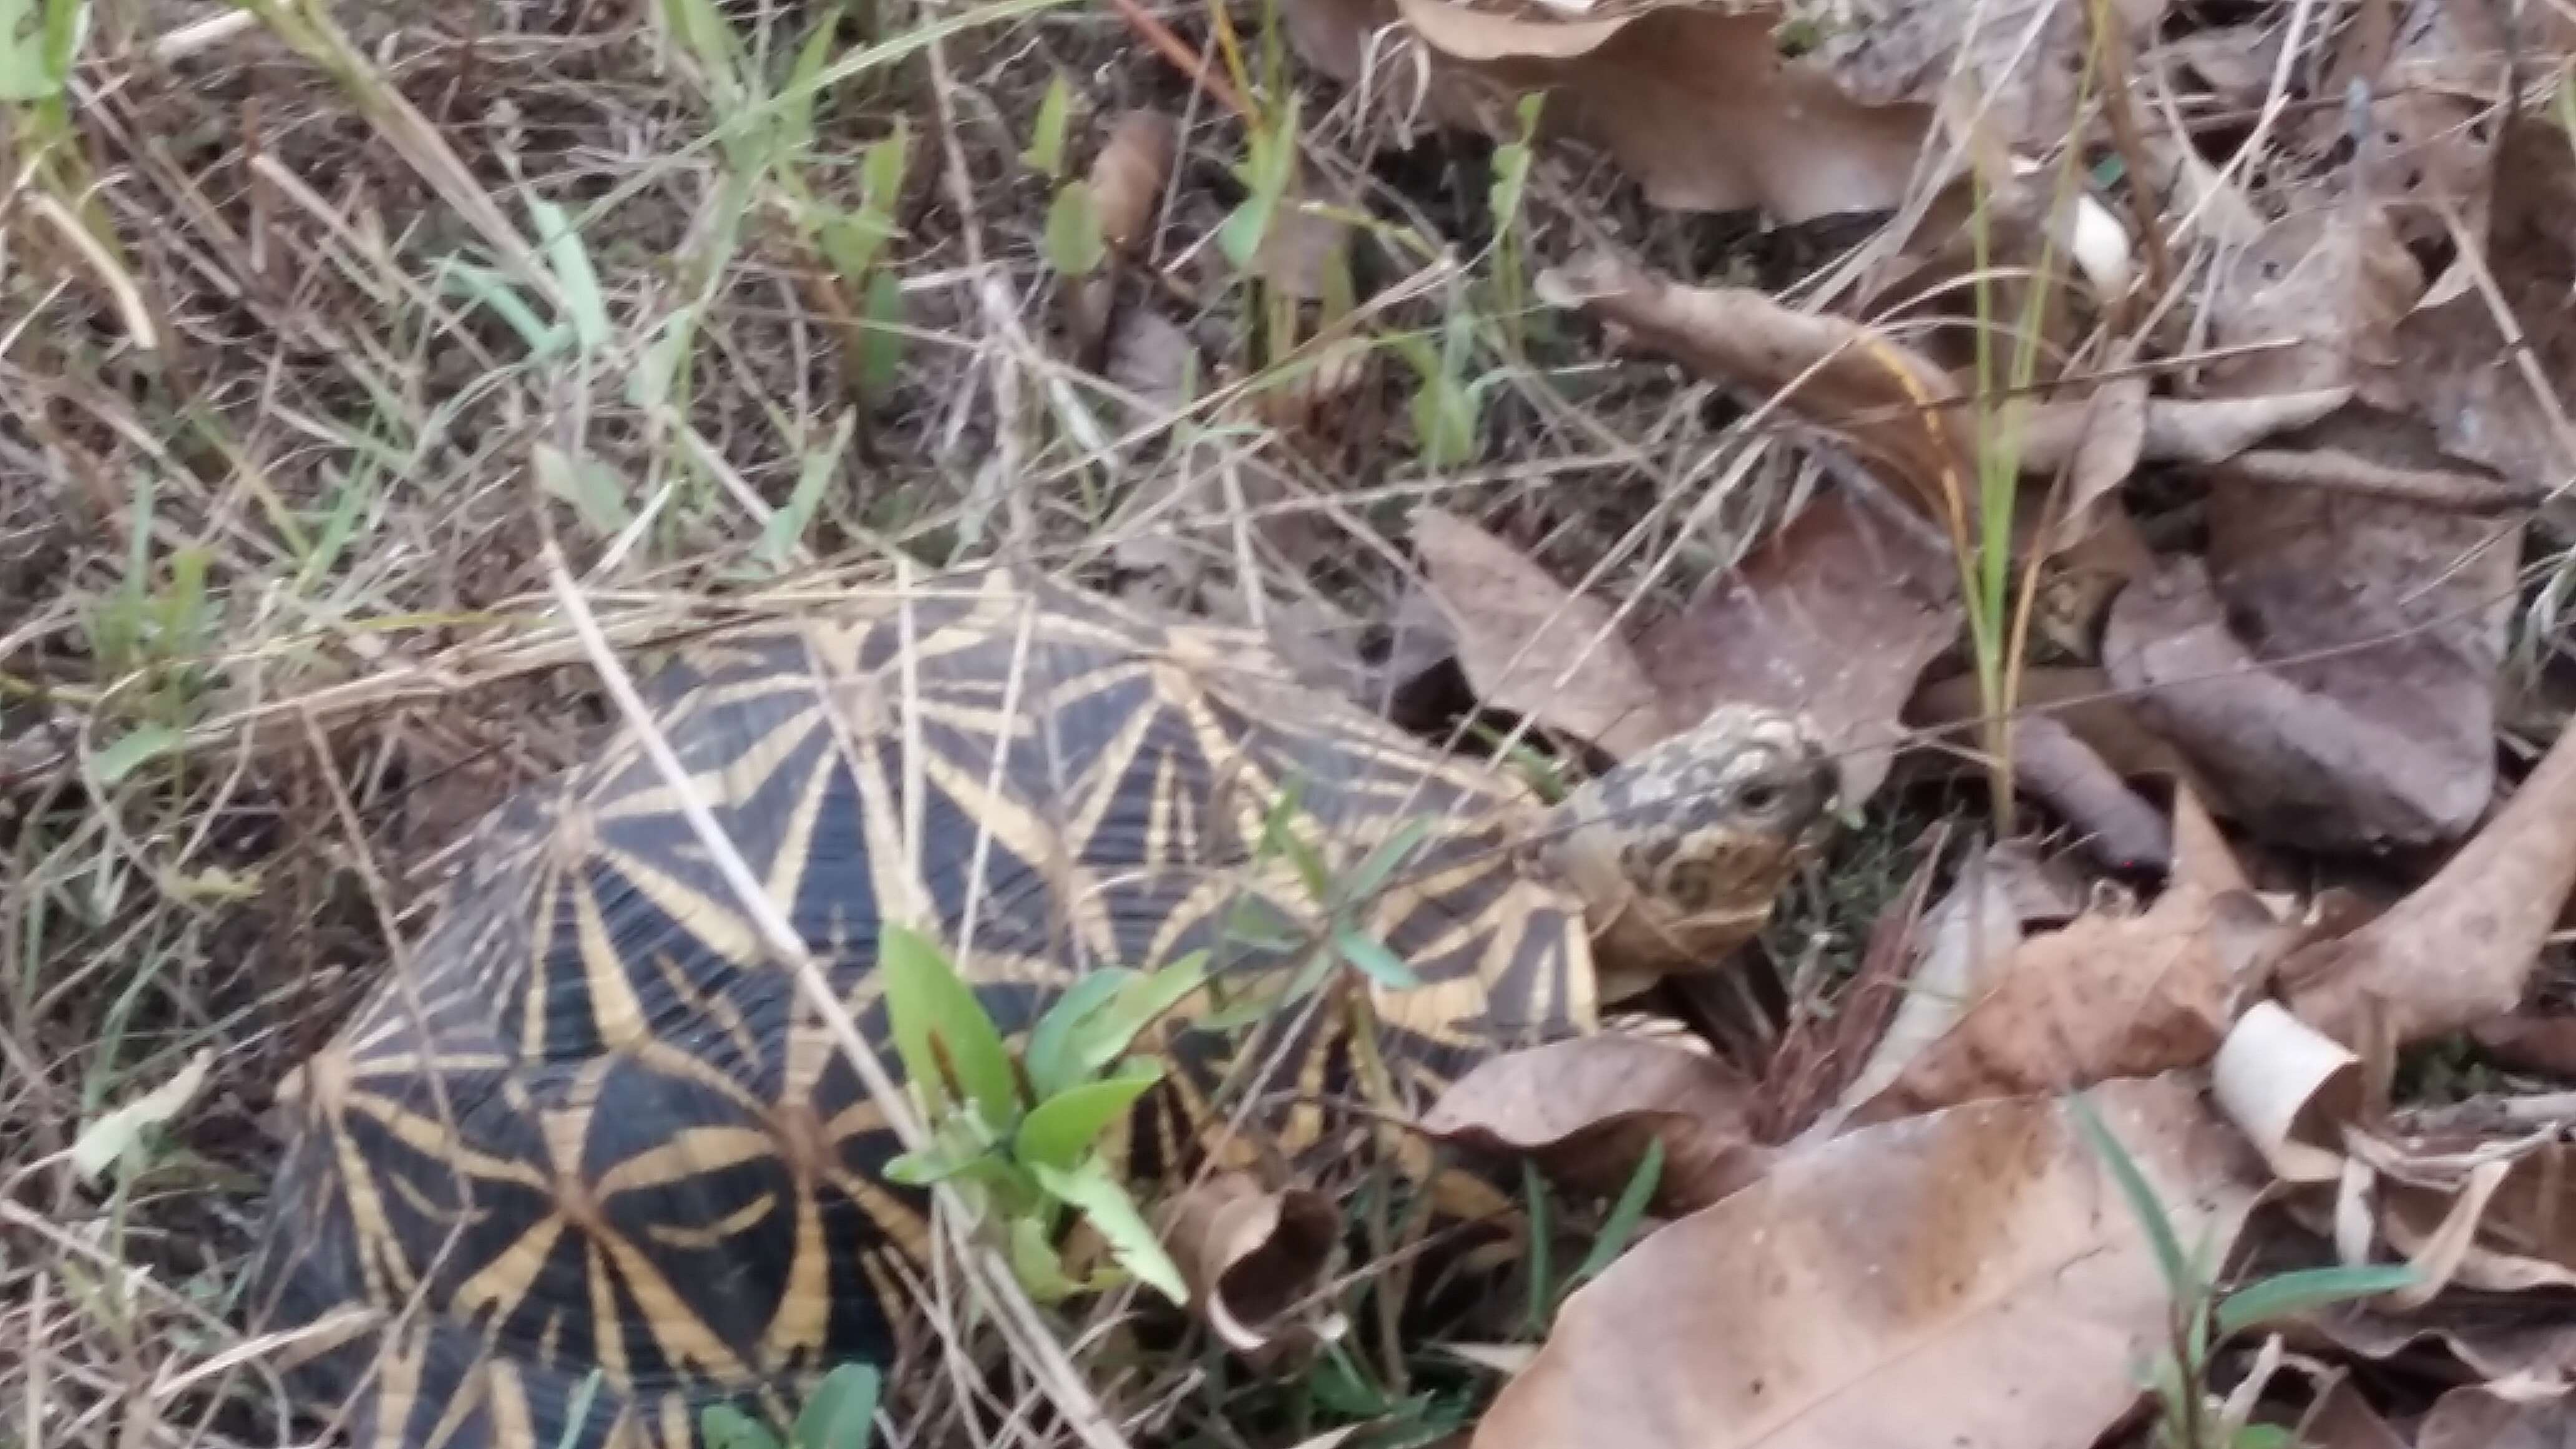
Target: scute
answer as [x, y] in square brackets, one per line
[598, 1130]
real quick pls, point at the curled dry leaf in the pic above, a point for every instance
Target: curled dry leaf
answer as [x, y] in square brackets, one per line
[2461, 947]
[1972, 1277]
[1887, 404]
[1586, 1108]
[1249, 1254]
[1531, 646]
[2297, 759]
[2529, 1346]
[2116, 824]
[1834, 616]
[2107, 995]
[2288, 1088]
[1128, 176]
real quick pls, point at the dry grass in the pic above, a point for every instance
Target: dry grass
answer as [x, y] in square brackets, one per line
[310, 342]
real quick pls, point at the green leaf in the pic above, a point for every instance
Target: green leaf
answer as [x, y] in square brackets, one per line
[840, 1413]
[2285, 1295]
[1266, 171]
[657, 370]
[723, 1426]
[850, 242]
[1625, 1215]
[803, 93]
[588, 486]
[882, 340]
[1512, 166]
[786, 528]
[1048, 1058]
[1045, 155]
[37, 41]
[2262, 1436]
[1104, 1036]
[927, 1002]
[1091, 1191]
[1374, 960]
[1037, 1264]
[569, 260]
[133, 750]
[1444, 422]
[2133, 1184]
[1059, 1130]
[1074, 245]
[881, 171]
[489, 289]
[712, 42]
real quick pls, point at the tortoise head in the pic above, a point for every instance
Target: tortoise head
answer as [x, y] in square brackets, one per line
[1679, 852]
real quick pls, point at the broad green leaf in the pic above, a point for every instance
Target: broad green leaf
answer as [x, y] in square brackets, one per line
[132, 750]
[37, 41]
[569, 260]
[1444, 422]
[2287, 1294]
[1037, 1264]
[1045, 155]
[882, 342]
[1059, 1130]
[1105, 1035]
[841, 1412]
[1374, 960]
[589, 487]
[1091, 1191]
[786, 528]
[657, 371]
[1048, 1057]
[881, 171]
[850, 242]
[1266, 172]
[723, 1426]
[712, 42]
[928, 1002]
[1074, 245]
[1625, 1215]
[108, 1139]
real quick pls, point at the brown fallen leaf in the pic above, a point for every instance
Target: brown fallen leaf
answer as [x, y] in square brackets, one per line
[1884, 402]
[1834, 616]
[1531, 646]
[2458, 489]
[2168, 430]
[2105, 996]
[2301, 763]
[2528, 1344]
[1696, 104]
[2113, 822]
[2478, 1417]
[2341, 1418]
[2459, 949]
[2529, 1042]
[1586, 1108]
[1249, 1254]
[2082, 698]
[1972, 1277]
[1128, 176]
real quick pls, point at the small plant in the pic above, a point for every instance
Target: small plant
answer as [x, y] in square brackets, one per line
[837, 1415]
[1018, 1138]
[2204, 1318]
[1511, 183]
[1447, 406]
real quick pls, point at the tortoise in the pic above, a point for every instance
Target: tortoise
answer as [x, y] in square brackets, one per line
[587, 1158]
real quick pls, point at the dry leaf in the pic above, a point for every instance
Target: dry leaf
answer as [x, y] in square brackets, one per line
[2528, 1345]
[1834, 616]
[1697, 105]
[1128, 176]
[2115, 823]
[2342, 1419]
[1586, 1108]
[1965, 941]
[2106, 996]
[1530, 646]
[2081, 698]
[1885, 403]
[1249, 1254]
[2530, 1043]
[2459, 949]
[2287, 1087]
[2302, 763]
[2477, 1417]
[1149, 358]
[2166, 430]
[1972, 1277]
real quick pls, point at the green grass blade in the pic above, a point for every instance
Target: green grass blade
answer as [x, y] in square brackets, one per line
[2285, 1295]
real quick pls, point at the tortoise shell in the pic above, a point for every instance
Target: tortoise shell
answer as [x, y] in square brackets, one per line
[589, 1150]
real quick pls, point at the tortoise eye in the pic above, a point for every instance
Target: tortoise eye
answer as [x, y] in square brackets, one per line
[1762, 796]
